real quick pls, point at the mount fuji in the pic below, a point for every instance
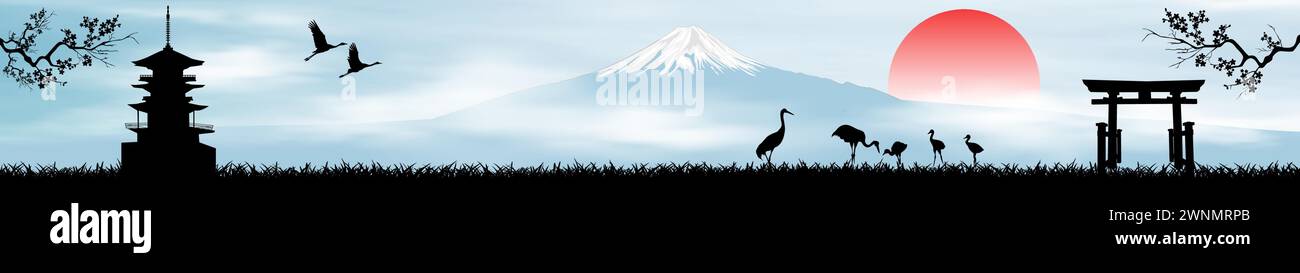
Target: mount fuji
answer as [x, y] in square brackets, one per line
[739, 99]
[685, 48]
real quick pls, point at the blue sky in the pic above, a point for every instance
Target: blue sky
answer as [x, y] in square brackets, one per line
[442, 56]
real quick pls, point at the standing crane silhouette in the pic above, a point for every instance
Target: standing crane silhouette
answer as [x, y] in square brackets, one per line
[896, 150]
[354, 63]
[319, 38]
[769, 144]
[975, 150]
[937, 145]
[854, 136]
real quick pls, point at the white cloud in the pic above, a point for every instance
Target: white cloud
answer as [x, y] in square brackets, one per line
[652, 127]
[1245, 4]
[453, 88]
[103, 120]
[240, 67]
[250, 17]
[661, 128]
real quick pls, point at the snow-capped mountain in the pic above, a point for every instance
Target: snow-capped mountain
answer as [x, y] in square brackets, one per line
[688, 48]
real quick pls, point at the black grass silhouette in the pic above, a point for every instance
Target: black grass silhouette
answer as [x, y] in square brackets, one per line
[591, 172]
[319, 38]
[354, 62]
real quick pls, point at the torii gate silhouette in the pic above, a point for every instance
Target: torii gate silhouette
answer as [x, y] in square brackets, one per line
[1181, 153]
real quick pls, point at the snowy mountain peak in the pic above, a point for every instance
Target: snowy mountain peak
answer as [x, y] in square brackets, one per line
[688, 48]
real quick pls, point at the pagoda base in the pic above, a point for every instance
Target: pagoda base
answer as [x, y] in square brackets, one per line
[140, 159]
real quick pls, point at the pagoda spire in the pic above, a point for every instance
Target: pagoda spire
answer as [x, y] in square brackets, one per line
[169, 26]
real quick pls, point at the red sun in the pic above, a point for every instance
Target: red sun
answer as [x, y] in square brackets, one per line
[964, 56]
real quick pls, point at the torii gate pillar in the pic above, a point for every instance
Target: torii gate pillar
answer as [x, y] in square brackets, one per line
[1181, 152]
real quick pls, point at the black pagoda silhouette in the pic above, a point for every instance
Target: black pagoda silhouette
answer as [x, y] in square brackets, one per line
[168, 142]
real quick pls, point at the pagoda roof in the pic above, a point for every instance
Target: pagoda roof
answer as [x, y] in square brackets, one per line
[186, 86]
[149, 107]
[168, 57]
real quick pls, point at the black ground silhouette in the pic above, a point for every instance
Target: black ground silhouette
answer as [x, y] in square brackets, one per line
[636, 212]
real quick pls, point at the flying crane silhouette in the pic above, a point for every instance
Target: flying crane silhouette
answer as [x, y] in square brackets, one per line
[937, 145]
[319, 38]
[854, 136]
[355, 65]
[769, 144]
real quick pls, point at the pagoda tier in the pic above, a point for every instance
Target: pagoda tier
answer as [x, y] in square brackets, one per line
[150, 78]
[158, 87]
[151, 107]
[190, 129]
[167, 79]
[167, 60]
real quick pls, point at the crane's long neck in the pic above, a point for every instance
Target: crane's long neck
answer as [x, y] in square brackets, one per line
[782, 122]
[931, 135]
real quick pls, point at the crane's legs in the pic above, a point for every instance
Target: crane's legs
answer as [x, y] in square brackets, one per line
[853, 154]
